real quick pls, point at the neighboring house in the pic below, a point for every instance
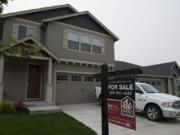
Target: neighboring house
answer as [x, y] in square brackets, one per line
[165, 76]
[74, 43]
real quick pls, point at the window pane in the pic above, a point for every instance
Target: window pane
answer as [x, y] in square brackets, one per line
[88, 79]
[62, 78]
[22, 32]
[85, 47]
[96, 42]
[73, 41]
[85, 43]
[85, 39]
[96, 49]
[73, 45]
[73, 36]
[76, 78]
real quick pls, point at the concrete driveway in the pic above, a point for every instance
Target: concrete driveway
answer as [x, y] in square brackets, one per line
[90, 115]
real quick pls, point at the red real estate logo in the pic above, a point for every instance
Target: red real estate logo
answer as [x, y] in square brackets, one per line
[121, 104]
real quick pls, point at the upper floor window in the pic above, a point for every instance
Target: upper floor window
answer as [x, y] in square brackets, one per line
[73, 41]
[96, 46]
[21, 31]
[83, 42]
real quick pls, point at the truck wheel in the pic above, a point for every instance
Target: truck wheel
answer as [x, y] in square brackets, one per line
[153, 113]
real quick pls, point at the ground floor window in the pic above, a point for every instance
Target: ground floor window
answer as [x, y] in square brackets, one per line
[76, 78]
[60, 77]
[88, 79]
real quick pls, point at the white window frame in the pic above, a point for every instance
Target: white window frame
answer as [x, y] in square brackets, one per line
[83, 34]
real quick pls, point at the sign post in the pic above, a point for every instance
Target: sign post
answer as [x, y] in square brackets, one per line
[104, 87]
[118, 98]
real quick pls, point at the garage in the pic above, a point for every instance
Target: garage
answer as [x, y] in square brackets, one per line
[74, 88]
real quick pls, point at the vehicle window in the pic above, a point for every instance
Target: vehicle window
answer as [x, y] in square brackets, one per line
[149, 88]
[137, 89]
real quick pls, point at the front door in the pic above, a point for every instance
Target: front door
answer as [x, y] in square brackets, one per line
[34, 82]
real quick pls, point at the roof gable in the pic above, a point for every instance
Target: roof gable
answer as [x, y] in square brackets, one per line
[85, 20]
[32, 40]
[164, 69]
[42, 13]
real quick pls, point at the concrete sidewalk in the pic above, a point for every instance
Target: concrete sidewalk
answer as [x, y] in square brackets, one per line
[90, 115]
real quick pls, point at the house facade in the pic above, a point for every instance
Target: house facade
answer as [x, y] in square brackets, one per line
[165, 77]
[74, 46]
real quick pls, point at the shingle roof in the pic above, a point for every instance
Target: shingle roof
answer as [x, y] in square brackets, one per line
[37, 10]
[164, 69]
[121, 65]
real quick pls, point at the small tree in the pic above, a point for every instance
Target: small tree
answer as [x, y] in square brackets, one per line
[2, 3]
[12, 49]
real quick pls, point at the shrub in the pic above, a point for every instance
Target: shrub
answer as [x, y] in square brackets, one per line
[19, 105]
[6, 108]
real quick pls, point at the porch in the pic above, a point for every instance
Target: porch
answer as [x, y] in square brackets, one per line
[27, 78]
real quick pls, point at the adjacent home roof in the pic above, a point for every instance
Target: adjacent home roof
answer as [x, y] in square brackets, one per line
[79, 14]
[121, 65]
[37, 10]
[37, 43]
[164, 69]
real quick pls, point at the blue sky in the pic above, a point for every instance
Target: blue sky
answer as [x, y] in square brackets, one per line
[149, 30]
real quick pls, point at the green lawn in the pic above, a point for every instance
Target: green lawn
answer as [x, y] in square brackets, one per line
[44, 124]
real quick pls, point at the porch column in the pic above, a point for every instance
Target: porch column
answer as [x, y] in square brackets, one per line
[49, 90]
[1, 77]
[169, 86]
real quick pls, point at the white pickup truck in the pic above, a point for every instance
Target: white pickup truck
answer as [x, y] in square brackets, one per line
[154, 104]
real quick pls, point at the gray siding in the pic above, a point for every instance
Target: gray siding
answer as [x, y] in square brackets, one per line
[15, 78]
[38, 16]
[54, 41]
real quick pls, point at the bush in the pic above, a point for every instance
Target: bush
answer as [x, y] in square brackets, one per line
[6, 108]
[20, 107]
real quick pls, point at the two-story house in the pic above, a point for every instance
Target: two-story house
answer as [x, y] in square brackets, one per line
[75, 45]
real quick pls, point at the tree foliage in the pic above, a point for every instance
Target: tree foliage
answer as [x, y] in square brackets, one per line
[12, 49]
[2, 3]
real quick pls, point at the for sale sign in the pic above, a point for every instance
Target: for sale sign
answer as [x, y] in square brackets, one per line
[121, 102]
